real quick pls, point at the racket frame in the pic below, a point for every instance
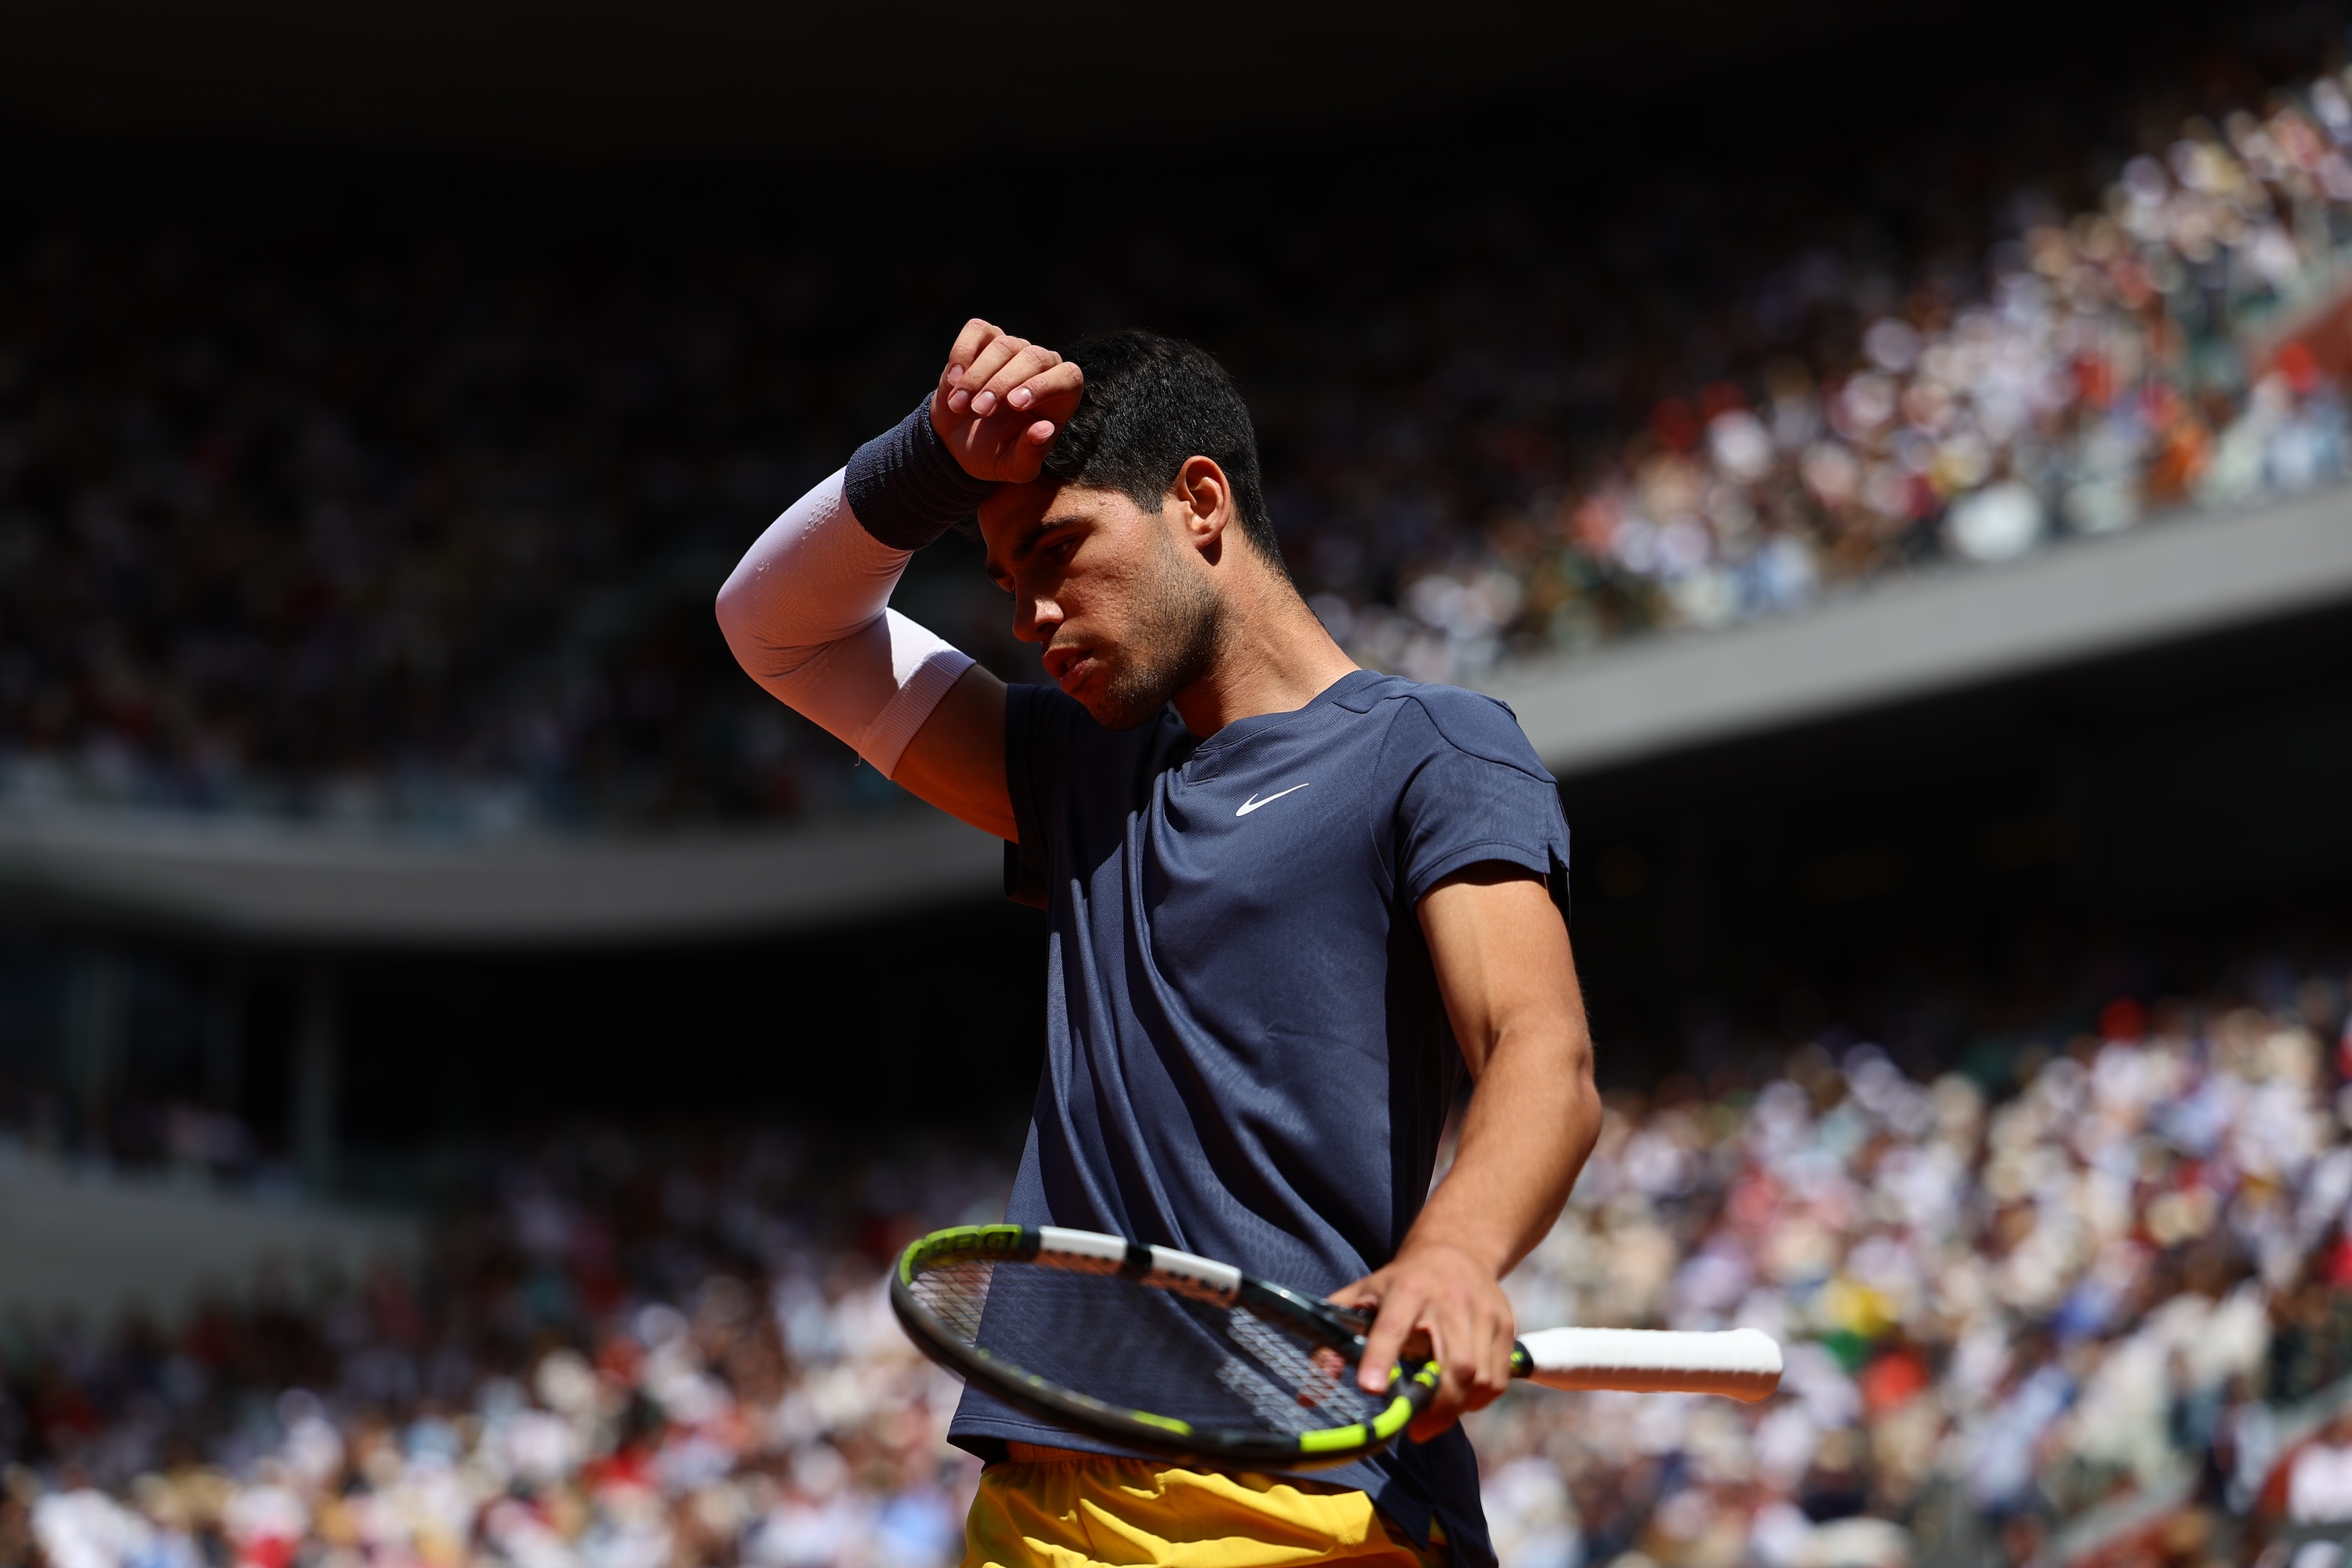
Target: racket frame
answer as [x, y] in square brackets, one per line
[1204, 1280]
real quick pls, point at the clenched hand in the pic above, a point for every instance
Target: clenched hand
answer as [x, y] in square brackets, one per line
[1001, 401]
[1443, 1295]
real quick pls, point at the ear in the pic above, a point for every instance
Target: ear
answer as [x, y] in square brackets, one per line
[1203, 499]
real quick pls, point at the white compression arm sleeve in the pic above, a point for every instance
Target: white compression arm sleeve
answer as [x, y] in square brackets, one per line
[805, 615]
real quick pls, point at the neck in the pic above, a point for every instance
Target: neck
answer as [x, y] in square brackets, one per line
[1272, 656]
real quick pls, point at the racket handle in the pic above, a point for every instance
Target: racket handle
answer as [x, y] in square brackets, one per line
[1739, 1363]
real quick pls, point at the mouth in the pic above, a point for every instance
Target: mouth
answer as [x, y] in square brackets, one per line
[1069, 667]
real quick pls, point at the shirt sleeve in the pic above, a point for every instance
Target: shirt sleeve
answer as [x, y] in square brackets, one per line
[1476, 793]
[1039, 723]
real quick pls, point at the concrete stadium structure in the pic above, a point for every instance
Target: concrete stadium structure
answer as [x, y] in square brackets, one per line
[1939, 632]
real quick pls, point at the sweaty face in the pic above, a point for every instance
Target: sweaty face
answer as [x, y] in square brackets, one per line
[1125, 614]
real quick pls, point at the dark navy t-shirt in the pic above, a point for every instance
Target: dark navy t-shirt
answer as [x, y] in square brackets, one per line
[1246, 1054]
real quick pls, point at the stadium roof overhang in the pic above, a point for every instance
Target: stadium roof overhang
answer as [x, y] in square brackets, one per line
[1941, 631]
[601, 76]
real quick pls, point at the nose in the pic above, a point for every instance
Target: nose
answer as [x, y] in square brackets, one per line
[1034, 618]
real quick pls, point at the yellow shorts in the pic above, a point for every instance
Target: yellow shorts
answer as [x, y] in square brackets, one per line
[1086, 1508]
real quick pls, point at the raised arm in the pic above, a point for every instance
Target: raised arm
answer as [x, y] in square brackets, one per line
[805, 611]
[1501, 953]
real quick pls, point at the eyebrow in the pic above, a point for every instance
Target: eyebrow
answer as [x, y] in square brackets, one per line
[1028, 540]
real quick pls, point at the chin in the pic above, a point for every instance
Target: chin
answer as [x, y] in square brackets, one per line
[1116, 704]
[1112, 713]
[1120, 688]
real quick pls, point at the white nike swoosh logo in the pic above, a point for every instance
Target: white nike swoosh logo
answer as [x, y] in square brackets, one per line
[1252, 803]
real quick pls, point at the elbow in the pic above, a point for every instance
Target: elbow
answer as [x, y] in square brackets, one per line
[1585, 1114]
[738, 617]
[730, 606]
[767, 646]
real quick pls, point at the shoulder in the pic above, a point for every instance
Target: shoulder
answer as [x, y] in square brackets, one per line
[1450, 719]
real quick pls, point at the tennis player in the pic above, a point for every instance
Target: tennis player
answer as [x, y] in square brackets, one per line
[1291, 902]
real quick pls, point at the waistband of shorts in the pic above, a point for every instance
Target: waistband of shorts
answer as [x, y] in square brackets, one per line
[1039, 1454]
[1019, 1452]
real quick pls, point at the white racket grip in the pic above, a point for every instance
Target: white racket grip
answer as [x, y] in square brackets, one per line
[1740, 1362]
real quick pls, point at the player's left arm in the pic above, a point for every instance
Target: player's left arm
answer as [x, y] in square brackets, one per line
[1508, 980]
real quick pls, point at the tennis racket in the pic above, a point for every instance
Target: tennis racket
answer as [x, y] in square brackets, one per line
[1165, 1352]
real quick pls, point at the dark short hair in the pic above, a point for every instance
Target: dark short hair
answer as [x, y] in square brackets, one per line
[1150, 403]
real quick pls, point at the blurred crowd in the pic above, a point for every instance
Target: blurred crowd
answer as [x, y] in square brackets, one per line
[2097, 368]
[430, 544]
[2000, 1314]
[2115, 1277]
[613, 1359]
[350, 531]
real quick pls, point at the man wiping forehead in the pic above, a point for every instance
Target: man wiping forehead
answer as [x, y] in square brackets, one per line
[1291, 902]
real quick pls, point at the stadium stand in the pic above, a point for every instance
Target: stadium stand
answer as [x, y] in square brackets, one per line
[98, 1241]
[1902, 639]
[426, 539]
[354, 598]
[2084, 1297]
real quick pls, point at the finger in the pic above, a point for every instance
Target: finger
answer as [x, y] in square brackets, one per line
[1477, 1333]
[948, 395]
[1446, 1402]
[1056, 386]
[1400, 1314]
[1010, 375]
[997, 353]
[1501, 1333]
[1483, 1379]
[1033, 361]
[975, 336]
[1457, 1365]
[1016, 438]
[1359, 1294]
[986, 363]
[1469, 1326]
[974, 386]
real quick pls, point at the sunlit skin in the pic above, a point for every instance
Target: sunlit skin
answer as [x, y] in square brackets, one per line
[1091, 575]
[1134, 606]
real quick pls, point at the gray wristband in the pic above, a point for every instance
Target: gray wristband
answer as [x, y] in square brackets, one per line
[905, 487]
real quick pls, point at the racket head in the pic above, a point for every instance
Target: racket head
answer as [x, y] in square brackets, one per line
[1182, 1356]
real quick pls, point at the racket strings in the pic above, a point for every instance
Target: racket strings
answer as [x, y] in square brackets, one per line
[1144, 1349]
[958, 1294]
[1318, 1378]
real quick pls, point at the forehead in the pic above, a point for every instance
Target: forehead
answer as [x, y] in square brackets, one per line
[1013, 516]
[1010, 510]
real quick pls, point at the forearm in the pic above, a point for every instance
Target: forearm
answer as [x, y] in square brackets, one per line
[1531, 1124]
[805, 610]
[1503, 964]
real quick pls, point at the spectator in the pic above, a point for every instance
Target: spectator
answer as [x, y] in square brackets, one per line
[431, 541]
[2319, 1481]
[2008, 1309]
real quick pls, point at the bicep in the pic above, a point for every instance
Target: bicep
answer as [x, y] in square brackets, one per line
[955, 760]
[1500, 949]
